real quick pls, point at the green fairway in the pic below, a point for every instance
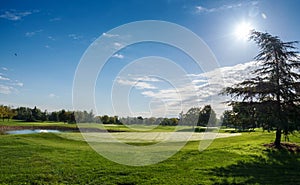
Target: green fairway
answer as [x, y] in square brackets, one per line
[52, 159]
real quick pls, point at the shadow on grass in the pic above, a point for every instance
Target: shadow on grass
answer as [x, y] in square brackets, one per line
[277, 167]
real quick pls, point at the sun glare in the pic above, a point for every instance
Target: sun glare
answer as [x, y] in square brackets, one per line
[242, 30]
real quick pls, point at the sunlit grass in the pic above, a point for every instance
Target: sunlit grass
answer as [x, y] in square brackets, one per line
[52, 159]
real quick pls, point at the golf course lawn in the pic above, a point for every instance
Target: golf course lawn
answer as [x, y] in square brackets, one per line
[49, 158]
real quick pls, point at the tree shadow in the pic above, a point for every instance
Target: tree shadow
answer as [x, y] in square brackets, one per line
[277, 167]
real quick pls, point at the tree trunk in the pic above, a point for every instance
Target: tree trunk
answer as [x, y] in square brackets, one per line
[278, 138]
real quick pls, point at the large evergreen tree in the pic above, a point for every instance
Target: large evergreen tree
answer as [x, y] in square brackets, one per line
[274, 93]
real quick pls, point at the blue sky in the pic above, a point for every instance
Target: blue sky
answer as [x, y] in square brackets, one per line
[42, 43]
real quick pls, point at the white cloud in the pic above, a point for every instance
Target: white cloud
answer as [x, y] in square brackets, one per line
[7, 85]
[4, 68]
[145, 78]
[4, 78]
[201, 9]
[4, 89]
[193, 90]
[51, 38]
[117, 45]
[14, 15]
[119, 56]
[20, 84]
[52, 95]
[109, 35]
[30, 34]
[74, 36]
[135, 83]
[263, 15]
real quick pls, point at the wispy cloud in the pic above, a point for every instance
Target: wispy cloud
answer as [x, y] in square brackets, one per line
[14, 15]
[4, 89]
[8, 85]
[55, 19]
[17, 83]
[51, 38]
[52, 95]
[118, 45]
[138, 84]
[202, 9]
[4, 78]
[75, 36]
[119, 56]
[30, 34]
[263, 15]
[193, 90]
[109, 35]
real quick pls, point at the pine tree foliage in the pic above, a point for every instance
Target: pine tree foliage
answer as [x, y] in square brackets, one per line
[274, 92]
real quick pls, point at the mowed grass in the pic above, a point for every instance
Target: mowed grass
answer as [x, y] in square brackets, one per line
[51, 159]
[109, 127]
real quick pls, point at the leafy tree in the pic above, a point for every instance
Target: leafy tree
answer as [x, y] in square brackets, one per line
[23, 113]
[71, 117]
[191, 117]
[36, 114]
[62, 116]
[275, 87]
[53, 116]
[207, 116]
[105, 119]
[6, 112]
[228, 118]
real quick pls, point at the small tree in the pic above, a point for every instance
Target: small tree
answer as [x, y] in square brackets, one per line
[207, 116]
[274, 92]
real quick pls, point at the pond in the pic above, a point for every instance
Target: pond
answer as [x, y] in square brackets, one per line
[28, 131]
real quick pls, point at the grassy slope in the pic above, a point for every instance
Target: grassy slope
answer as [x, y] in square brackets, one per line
[47, 158]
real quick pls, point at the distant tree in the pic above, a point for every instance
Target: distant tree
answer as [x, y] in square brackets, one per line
[36, 114]
[105, 119]
[207, 116]
[71, 117]
[169, 122]
[191, 117]
[6, 112]
[228, 118]
[62, 116]
[23, 113]
[275, 90]
[244, 115]
[54, 116]
[44, 116]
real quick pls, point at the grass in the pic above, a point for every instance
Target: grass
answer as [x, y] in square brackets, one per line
[52, 159]
[121, 128]
[23, 123]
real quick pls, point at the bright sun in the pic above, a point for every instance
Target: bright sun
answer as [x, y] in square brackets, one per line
[242, 30]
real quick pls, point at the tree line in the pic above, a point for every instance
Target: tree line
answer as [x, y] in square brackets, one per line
[195, 116]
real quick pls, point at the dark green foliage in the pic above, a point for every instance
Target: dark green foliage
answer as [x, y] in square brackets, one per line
[196, 116]
[271, 98]
[207, 116]
[35, 115]
[228, 118]
[169, 122]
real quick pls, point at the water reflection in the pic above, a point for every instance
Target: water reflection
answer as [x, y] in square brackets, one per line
[27, 131]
